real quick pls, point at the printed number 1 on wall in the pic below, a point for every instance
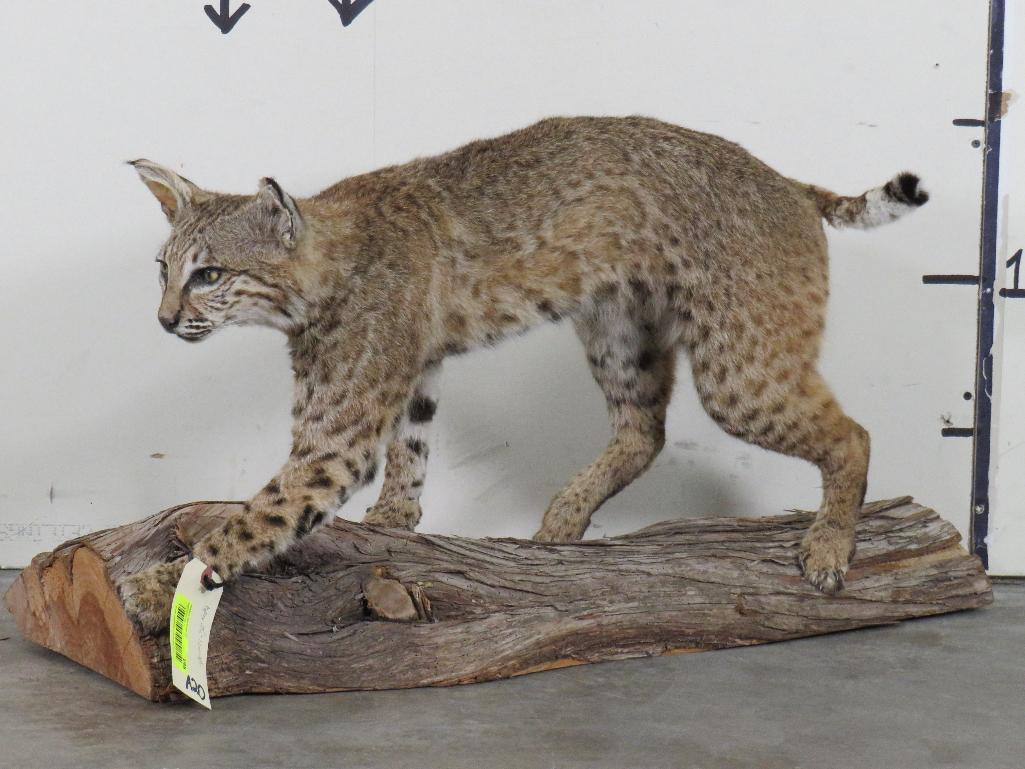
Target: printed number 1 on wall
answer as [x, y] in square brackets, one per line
[1015, 291]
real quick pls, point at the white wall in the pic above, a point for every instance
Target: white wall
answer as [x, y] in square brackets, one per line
[108, 419]
[1006, 538]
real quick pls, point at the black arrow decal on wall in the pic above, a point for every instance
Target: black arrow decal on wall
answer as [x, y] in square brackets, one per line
[349, 9]
[225, 19]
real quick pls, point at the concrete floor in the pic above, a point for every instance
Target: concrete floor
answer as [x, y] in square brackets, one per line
[941, 692]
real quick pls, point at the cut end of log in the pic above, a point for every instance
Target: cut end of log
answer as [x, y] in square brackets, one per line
[70, 606]
[358, 607]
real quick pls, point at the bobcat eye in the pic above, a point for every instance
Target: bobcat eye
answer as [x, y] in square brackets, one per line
[163, 272]
[210, 275]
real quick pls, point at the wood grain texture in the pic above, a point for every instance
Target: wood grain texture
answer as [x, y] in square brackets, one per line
[486, 609]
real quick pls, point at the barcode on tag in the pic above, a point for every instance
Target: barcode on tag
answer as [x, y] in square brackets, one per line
[181, 610]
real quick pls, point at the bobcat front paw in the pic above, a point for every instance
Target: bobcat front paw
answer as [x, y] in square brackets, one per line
[394, 514]
[553, 536]
[825, 553]
[562, 523]
[148, 594]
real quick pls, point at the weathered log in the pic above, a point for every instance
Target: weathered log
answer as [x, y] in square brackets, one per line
[475, 610]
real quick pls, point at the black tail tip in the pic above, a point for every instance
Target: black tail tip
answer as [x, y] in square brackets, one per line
[907, 188]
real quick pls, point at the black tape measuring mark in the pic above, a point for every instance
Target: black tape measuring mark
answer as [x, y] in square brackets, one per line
[969, 122]
[958, 432]
[349, 9]
[950, 280]
[224, 18]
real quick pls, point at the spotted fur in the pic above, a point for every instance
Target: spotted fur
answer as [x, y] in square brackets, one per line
[652, 239]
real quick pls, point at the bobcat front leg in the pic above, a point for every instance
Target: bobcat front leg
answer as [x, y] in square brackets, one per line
[398, 505]
[327, 466]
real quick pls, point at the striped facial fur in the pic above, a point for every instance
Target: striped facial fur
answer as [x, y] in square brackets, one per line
[227, 261]
[659, 244]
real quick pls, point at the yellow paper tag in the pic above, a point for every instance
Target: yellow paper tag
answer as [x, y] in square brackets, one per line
[192, 618]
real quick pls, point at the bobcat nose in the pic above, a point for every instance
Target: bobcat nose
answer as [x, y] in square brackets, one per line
[169, 322]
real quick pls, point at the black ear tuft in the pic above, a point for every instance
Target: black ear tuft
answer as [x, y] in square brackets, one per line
[276, 188]
[280, 212]
[906, 187]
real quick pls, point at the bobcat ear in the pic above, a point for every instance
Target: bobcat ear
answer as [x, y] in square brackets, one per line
[175, 193]
[281, 212]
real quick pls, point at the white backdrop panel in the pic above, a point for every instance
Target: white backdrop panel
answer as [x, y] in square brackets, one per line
[1007, 504]
[107, 418]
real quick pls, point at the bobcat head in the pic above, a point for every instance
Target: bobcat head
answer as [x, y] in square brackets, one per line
[229, 259]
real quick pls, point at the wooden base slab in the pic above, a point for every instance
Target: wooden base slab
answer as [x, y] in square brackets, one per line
[357, 607]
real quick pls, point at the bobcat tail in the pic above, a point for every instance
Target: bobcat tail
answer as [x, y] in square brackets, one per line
[899, 196]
